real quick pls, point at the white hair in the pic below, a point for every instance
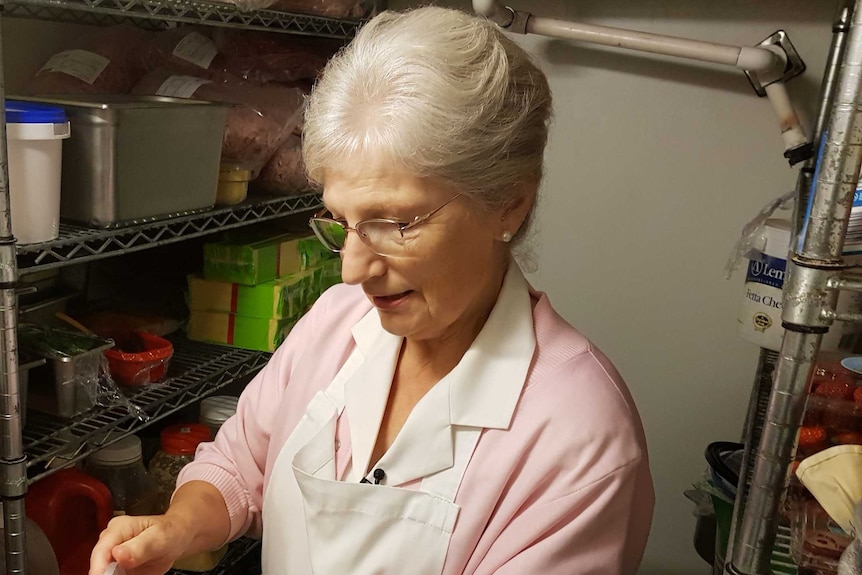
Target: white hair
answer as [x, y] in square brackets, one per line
[437, 93]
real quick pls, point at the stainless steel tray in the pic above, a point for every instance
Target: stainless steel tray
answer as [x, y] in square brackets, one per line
[136, 157]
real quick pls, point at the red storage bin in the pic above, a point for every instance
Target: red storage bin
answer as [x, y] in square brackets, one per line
[139, 358]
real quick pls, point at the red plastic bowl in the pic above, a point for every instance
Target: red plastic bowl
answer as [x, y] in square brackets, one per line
[139, 358]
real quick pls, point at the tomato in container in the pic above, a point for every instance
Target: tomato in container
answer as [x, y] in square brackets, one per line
[139, 358]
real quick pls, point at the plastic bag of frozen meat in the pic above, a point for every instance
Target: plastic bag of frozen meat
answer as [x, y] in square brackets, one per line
[100, 63]
[259, 122]
[263, 57]
[187, 49]
[329, 8]
[284, 174]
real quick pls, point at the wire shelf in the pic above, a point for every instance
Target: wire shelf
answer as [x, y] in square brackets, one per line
[196, 370]
[78, 244]
[161, 14]
[242, 558]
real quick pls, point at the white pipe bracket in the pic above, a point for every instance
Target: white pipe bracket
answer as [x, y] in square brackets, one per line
[793, 64]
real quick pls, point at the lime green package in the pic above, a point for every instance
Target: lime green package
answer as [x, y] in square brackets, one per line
[260, 334]
[285, 297]
[251, 259]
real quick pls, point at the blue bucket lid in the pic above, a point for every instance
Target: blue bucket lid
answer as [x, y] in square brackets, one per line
[33, 113]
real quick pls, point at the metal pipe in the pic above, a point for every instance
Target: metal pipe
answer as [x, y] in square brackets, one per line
[808, 303]
[840, 28]
[13, 470]
[791, 129]
[761, 60]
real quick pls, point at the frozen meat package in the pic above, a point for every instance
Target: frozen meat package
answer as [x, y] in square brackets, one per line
[103, 62]
[259, 122]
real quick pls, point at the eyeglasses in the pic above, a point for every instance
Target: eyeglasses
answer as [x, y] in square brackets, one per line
[384, 237]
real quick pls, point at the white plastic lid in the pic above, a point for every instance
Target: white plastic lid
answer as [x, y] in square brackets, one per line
[217, 409]
[124, 451]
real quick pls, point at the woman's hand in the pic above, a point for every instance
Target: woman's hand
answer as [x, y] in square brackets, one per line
[146, 545]
[196, 521]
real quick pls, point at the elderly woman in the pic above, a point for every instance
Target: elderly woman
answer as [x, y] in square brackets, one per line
[434, 414]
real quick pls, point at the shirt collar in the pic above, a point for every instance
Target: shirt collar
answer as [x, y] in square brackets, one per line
[485, 385]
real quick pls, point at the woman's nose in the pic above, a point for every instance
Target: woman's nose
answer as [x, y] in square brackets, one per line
[358, 262]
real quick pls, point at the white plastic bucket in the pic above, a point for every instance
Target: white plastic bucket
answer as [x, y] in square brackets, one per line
[34, 136]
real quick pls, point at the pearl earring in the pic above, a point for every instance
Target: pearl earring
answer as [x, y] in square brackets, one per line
[506, 237]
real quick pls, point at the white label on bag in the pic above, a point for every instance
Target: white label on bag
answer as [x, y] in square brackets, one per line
[180, 86]
[196, 49]
[86, 66]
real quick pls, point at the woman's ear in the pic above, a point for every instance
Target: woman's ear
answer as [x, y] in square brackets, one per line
[513, 215]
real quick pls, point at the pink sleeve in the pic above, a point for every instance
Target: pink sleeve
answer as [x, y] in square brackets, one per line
[596, 530]
[235, 463]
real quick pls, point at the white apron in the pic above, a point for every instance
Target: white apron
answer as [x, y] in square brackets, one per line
[315, 524]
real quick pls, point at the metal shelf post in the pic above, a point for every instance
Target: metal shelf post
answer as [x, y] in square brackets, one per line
[809, 304]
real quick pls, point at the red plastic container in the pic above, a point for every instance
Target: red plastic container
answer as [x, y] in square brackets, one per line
[139, 358]
[72, 509]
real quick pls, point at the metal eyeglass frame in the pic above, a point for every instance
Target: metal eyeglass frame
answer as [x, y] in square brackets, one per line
[400, 226]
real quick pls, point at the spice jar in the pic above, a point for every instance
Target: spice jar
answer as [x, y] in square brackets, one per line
[178, 445]
[216, 410]
[120, 466]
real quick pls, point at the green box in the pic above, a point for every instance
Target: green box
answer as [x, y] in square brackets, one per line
[285, 297]
[260, 334]
[253, 258]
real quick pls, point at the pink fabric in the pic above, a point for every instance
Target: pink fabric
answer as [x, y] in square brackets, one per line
[565, 490]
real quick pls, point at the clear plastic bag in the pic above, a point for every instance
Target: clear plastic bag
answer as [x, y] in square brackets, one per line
[284, 174]
[753, 239]
[101, 63]
[261, 120]
[262, 57]
[186, 50]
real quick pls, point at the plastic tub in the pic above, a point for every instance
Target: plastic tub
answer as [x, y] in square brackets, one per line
[35, 134]
[139, 358]
[232, 184]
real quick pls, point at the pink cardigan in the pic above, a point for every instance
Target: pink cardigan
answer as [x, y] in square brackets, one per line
[565, 490]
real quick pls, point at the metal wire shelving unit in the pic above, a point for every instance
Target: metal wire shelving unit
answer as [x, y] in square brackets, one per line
[78, 244]
[197, 369]
[160, 14]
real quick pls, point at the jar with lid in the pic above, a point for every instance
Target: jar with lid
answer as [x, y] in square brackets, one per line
[216, 410]
[178, 445]
[120, 466]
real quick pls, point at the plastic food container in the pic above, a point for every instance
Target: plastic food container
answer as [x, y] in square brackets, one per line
[69, 383]
[232, 184]
[134, 158]
[120, 466]
[139, 358]
[178, 446]
[216, 410]
[35, 134]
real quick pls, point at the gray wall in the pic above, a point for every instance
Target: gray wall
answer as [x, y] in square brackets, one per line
[653, 168]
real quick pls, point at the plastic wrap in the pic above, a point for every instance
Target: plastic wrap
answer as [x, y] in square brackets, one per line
[284, 174]
[753, 238]
[80, 375]
[263, 118]
[101, 63]
[139, 358]
[262, 57]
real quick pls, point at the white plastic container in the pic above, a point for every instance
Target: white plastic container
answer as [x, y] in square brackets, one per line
[34, 136]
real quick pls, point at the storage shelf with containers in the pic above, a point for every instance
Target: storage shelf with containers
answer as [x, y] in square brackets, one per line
[118, 202]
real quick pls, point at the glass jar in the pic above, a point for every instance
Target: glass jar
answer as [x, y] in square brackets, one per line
[216, 410]
[120, 466]
[178, 445]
